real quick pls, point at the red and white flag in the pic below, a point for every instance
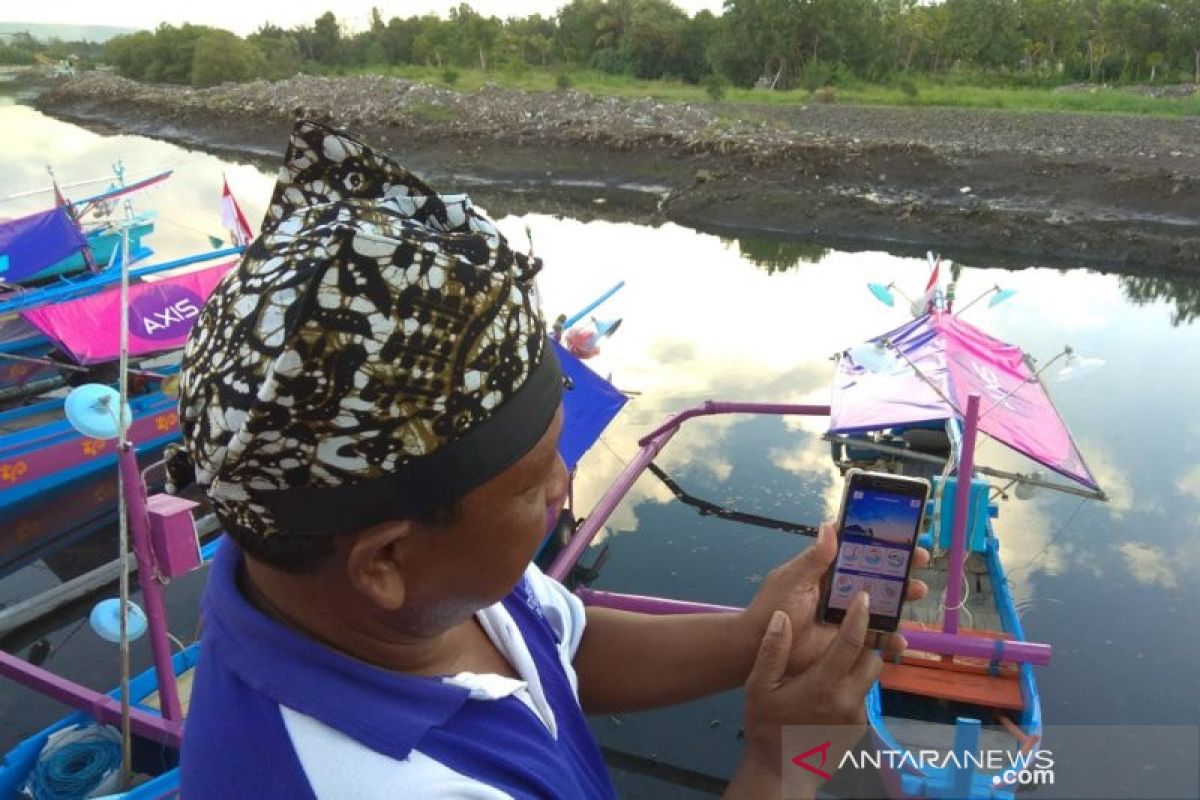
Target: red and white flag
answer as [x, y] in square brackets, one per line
[931, 287]
[233, 218]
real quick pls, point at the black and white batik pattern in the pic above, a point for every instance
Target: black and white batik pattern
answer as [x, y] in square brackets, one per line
[372, 322]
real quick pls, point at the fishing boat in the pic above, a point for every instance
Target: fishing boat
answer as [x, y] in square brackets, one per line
[39, 450]
[161, 530]
[912, 401]
[61, 241]
[951, 379]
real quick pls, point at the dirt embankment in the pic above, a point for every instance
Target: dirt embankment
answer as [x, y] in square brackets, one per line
[985, 187]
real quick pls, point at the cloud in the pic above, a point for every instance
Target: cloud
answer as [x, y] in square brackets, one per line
[1189, 482]
[1150, 565]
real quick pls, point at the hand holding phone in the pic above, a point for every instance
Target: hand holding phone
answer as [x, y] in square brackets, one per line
[877, 534]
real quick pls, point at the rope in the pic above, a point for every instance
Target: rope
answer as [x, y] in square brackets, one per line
[709, 509]
[1049, 541]
[74, 763]
[206, 234]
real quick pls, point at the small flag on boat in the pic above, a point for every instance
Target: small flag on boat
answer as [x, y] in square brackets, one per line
[932, 286]
[60, 201]
[233, 218]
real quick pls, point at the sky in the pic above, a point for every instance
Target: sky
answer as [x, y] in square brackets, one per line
[243, 18]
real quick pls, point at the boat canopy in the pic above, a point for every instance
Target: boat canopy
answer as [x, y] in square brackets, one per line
[160, 315]
[589, 405]
[940, 361]
[30, 244]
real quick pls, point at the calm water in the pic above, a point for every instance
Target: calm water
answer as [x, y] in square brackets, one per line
[1113, 586]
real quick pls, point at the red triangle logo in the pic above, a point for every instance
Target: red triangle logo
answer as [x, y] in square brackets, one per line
[802, 760]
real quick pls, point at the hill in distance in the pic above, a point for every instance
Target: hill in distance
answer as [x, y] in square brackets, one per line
[44, 31]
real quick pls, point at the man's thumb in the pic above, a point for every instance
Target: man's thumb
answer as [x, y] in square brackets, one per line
[771, 663]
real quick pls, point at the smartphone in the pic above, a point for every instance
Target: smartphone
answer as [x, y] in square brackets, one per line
[877, 532]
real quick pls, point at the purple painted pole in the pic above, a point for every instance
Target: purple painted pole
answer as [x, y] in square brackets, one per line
[565, 561]
[985, 647]
[962, 498]
[102, 707]
[152, 596]
[925, 641]
[713, 407]
[644, 604]
[652, 444]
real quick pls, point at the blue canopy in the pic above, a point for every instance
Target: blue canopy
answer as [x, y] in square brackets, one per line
[30, 244]
[587, 408]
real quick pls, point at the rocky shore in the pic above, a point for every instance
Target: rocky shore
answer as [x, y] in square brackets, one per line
[984, 187]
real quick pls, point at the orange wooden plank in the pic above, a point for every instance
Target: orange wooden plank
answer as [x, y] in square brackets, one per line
[1002, 691]
[979, 666]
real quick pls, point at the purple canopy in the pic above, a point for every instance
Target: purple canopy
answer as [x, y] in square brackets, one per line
[30, 244]
[956, 359]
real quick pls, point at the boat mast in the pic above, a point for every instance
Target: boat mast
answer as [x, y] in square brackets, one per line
[962, 497]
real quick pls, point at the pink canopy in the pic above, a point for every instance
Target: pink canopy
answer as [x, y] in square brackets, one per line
[956, 359]
[160, 315]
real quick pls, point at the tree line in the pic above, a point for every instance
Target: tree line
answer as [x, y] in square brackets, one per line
[777, 43]
[23, 49]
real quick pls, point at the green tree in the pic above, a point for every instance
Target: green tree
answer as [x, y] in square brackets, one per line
[652, 39]
[280, 51]
[1185, 30]
[132, 54]
[326, 39]
[435, 43]
[696, 40]
[398, 39]
[984, 33]
[576, 24]
[1053, 28]
[755, 42]
[613, 21]
[220, 56]
[476, 36]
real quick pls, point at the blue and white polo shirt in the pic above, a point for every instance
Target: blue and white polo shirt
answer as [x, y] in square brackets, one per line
[275, 714]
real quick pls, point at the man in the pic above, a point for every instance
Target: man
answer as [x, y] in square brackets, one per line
[372, 406]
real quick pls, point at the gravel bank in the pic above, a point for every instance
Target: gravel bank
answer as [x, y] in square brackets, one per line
[990, 187]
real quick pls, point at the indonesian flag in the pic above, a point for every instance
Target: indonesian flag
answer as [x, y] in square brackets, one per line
[932, 287]
[233, 218]
[59, 200]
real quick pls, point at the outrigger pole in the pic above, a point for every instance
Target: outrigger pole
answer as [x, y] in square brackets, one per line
[938, 642]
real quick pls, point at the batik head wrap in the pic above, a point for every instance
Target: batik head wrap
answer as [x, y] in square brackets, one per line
[377, 353]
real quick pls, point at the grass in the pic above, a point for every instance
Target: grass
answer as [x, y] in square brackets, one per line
[928, 92]
[431, 112]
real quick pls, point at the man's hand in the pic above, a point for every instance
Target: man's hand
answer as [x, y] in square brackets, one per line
[795, 588]
[826, 697]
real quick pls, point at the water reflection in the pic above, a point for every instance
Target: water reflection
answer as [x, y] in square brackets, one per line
[758, 321]
[187, 205]
[777, 254]
[1182, 292]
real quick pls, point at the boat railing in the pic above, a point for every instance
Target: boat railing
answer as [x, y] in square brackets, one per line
[653, 443]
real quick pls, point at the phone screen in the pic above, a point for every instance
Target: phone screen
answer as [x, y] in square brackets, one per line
[875, 546]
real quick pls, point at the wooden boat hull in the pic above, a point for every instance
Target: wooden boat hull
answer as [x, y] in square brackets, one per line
[889, 711]
[103, 244]
[42, 451]
[149, 758]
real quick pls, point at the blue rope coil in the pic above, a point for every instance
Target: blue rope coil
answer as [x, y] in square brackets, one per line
[75, 768]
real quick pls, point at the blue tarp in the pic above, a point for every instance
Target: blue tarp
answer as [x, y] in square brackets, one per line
[587, 408]
[30, 244]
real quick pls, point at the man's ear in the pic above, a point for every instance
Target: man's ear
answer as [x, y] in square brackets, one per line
[376, 563]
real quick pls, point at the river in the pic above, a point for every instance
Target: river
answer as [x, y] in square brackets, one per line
[1112, 585]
